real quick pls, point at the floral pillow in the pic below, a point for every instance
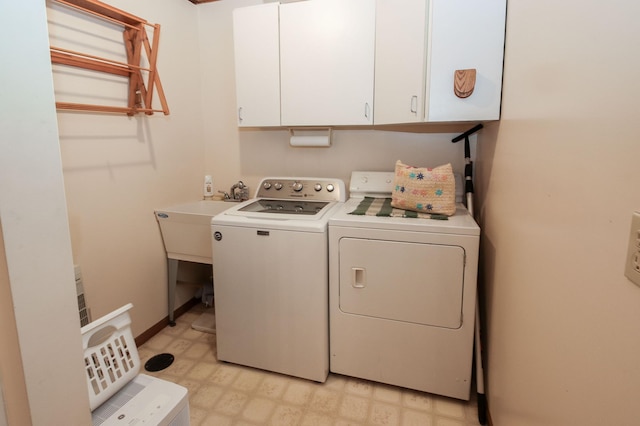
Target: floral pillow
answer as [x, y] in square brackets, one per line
[425, 190]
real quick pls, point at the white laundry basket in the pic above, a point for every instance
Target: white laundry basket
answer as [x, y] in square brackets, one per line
[110, 355]
[118, 395]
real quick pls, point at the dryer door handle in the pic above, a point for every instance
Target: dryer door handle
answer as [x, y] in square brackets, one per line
[358, 277]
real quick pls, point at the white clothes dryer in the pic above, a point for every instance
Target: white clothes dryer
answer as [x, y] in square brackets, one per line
[402, 294]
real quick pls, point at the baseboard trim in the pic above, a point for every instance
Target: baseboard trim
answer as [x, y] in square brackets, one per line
[156, 328]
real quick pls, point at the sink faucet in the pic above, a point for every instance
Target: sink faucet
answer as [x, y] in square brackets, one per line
[238, 195]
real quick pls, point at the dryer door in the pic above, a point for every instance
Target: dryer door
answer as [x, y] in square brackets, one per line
[404, 281]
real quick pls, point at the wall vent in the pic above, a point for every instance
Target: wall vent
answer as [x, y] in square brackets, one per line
[85, 317]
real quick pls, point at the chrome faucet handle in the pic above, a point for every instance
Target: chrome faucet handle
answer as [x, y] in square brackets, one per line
[226, 195]
[240, 185]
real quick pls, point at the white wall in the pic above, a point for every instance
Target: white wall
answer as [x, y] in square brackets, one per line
[559, 180]
[38, 273]
[118, 169]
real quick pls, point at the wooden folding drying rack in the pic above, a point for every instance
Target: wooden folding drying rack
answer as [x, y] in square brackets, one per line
[135, 39]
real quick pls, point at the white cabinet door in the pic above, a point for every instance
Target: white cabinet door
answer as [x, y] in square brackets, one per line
[400, 61]
[465, 34]
[256, 46]
[327, 62]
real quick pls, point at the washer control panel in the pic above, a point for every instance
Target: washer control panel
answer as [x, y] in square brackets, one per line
[319, 189]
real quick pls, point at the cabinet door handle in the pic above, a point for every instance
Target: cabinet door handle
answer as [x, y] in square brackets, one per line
[367, 110]
[358, 277]
[240, 114]
[414, 104]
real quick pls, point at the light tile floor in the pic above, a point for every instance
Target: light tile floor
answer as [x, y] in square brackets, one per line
[223, 394]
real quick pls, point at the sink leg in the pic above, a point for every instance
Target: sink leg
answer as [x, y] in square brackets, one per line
[172, 266]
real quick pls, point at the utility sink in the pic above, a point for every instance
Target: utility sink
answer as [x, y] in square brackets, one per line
[186, 229]
[186, 233]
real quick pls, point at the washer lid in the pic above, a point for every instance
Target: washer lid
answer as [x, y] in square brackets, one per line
[292, 207]
[265, 220]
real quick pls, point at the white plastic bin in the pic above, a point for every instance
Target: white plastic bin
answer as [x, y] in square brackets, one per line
[110, 355]
[118, 395]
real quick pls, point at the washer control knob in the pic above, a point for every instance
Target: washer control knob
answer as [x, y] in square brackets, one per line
[277, 186]
[317, 187]
[330, 187]
[267, 185]
[296, 186]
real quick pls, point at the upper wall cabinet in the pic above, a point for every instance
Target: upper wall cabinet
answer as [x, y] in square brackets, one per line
[465, 35]
[422, 46]
[256, 43]
[313, 62]
[327, 62]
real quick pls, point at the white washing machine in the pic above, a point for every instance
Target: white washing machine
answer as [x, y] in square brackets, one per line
[402, 294]
[271, 277]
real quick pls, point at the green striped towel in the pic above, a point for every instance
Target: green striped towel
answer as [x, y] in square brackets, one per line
[371, 206]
